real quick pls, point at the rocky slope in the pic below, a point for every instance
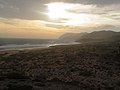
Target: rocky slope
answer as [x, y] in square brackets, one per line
[94, 66]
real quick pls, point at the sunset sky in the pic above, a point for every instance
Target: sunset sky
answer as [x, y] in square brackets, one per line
[52, 18]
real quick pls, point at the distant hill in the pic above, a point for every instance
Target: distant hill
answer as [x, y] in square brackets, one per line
[70, 37]
[96, 36]
[100, 36]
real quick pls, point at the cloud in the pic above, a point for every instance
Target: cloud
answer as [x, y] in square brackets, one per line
[24, 24]
[95, 2]
[32, 9]
[26, 29]
[29, 15]
[22, 9]
[83, 15]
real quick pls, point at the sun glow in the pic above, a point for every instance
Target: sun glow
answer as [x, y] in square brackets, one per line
[62, 11]
[56, 10]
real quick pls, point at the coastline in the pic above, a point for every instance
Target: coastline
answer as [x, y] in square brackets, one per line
[34, 46]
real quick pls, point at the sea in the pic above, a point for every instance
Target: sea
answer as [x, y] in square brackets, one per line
[21, 44]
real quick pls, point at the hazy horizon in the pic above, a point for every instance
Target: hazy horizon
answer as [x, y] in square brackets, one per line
[49, 19]
[53, 38]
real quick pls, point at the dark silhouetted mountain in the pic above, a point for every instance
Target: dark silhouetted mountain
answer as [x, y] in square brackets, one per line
[100, 36]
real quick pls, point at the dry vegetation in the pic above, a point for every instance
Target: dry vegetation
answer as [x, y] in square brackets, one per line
[73, 67]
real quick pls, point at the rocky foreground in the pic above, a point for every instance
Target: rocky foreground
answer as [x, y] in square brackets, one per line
[73, 67]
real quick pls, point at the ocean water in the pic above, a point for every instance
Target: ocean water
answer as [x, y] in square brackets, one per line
[13, 44]
[21, 44]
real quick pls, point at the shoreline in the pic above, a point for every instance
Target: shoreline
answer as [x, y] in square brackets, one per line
[32, 47]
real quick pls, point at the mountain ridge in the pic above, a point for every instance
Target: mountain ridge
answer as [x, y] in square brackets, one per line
[100, 36]
[95, 36]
